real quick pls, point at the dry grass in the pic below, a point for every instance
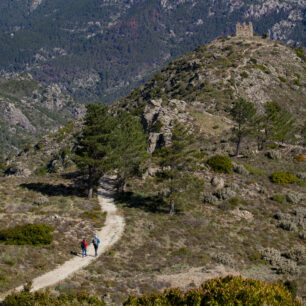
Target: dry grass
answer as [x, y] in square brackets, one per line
[63, 206]
[156, 244]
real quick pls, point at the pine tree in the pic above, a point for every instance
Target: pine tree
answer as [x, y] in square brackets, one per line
[244, 114]
[129, 148]
[277, 124]
[92, 154]
[176, 160]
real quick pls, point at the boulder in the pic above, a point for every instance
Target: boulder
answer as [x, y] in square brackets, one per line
[217, 182]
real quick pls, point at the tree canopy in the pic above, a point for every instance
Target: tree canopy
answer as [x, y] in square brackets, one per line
[110, 143]
[243, 113]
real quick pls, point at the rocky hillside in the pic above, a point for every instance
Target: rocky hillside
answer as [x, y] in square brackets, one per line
[233, 214]
[198, 90]
[102, 49]
[203, 84]
[29, 110]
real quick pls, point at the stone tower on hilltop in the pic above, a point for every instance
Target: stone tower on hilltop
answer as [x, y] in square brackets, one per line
[244, 30]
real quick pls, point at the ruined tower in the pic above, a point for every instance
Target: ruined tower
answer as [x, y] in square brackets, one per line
[244, 30]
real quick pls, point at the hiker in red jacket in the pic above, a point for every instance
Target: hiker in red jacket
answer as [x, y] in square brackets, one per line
[84, 247]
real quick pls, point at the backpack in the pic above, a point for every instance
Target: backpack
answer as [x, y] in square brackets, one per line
[95, 242]
[83, 245]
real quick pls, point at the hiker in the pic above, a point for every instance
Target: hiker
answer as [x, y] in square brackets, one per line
[96, 243]
[84, 247]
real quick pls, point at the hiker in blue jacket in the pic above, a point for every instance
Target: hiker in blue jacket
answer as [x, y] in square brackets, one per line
[96, 243]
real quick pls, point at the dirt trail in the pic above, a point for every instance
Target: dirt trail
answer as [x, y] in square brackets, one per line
[109, 235]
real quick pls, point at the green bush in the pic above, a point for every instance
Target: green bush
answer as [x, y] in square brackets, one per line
[262, 68]
[283, 178]
[157, 126]
[280, 198]
[229, 290]
[25, 297]
[292, 287]
[220, 163]
[244, 74]
[300, 53]
[254, 171]
[282, 79]
[29, 234]
[41, 171]
[296, 82]
[39, 146]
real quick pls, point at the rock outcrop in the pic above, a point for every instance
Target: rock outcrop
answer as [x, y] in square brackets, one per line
[159, 118]
[14, 116]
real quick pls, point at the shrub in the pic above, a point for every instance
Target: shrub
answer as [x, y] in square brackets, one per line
[41, 171]
[288, 226]
[283, 178]
[300, 53]
[292, 287]
[209, 198]
[283, 265]
[299, 158]
[236, 201]
[29, 234]
[296, 82]
[280, 198]
[274, 155]
[157, 126]
[262, 68]
[254, 171]
[294, 197]
[220, 163]
[225, 194]
[244, 74]
[39, 146]
[282, 79]
[25, 297]
[240, 169]
[229, 290]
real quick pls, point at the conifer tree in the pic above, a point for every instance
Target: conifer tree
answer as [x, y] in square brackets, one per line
[243, 112]
[176, 159]
[129, 148]
[277, 124]
[92, 155]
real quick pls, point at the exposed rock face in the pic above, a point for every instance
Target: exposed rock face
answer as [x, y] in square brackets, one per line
[35, 4]
[158, 119]
[28, 109]
[14, 116]
[243, 214]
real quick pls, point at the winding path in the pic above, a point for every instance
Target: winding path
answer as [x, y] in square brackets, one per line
[109, 235]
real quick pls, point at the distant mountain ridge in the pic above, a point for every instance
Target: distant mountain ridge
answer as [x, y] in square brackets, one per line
[100, 50]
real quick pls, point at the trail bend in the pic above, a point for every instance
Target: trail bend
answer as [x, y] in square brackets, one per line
[110, 233]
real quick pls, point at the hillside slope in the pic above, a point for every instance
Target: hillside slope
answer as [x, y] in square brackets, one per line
[29, 110]
[207, 81]
[240, 221]
[100, 50]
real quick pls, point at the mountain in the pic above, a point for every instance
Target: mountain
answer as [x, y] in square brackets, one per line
[199, 90]
[240, 214]
[30, 110]
[211, 78]
[99, 50]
